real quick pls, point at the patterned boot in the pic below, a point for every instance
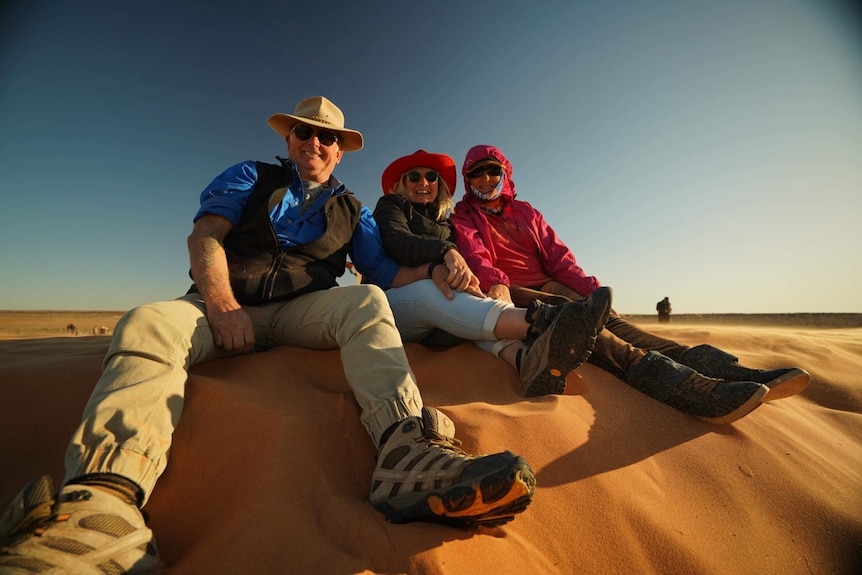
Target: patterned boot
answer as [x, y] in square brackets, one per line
[422, 475]
[566, 340]
[80, 530]
[541, 315]
[682, 388]
[714, 362]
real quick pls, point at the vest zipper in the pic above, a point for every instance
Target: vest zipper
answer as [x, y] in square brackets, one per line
[269, 283]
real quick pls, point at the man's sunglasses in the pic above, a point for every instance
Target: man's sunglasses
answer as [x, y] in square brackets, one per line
[305, 132]
[492, 171]
[415, 176]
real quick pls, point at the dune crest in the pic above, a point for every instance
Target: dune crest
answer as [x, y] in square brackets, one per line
[270, 467]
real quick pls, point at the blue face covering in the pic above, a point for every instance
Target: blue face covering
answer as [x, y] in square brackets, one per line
[491, 195]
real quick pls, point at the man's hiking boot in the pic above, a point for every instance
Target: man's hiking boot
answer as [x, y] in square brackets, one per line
[82, 530]
[564, 339]
[422, 475]
[681, 387]
[714, 362]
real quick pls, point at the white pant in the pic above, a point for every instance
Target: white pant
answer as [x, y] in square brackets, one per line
[420, 307]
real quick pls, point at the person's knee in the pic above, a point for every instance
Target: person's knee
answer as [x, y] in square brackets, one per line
[159, 323]
[360, 309]
[142, 317]
[368, 301]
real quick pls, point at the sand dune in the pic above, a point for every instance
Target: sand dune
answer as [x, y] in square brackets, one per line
[270, 468]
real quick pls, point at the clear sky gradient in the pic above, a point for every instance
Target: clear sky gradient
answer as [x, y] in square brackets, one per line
[706, 151]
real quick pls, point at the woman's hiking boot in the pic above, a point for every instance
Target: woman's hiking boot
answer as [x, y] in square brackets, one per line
[541, 315]
[714, 362]
[422, 475]
[564, 337]
[681, 387]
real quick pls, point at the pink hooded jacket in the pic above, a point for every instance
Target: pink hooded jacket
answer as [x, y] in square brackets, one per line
[475, 243]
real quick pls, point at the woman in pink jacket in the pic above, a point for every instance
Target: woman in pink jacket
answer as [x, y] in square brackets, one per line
[518, 257]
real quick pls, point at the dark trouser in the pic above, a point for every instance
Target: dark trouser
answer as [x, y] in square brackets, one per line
[620, 345]
[644, 339]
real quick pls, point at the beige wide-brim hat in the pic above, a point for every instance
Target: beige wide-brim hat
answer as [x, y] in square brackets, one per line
[320, 112]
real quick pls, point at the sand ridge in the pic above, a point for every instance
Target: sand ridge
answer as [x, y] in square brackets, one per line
[270, 467]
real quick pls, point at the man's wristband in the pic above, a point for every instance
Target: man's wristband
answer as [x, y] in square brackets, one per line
[431, 268]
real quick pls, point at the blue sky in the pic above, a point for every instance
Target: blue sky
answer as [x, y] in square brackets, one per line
[710, 152]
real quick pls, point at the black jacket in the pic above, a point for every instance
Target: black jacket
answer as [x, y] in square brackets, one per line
[411, 235]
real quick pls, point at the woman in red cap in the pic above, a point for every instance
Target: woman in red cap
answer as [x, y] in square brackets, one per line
[544, 346]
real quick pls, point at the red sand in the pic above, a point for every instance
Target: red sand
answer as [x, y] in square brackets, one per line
[270, 467]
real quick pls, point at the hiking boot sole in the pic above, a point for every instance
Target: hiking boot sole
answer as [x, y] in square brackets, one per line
[564, 356]
[493, 499]
[789, 384]
[752, 403]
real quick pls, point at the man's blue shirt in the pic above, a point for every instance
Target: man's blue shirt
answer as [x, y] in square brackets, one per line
[227, 195]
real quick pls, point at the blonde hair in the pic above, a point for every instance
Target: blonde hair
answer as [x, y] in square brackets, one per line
[443, 202]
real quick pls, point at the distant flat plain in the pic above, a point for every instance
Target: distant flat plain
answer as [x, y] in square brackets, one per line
[53, 323]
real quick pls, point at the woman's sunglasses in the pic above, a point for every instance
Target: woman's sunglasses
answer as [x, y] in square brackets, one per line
[492, 171]
[305, 132]
[415, 176]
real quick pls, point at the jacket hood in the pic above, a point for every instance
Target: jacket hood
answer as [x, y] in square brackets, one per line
[482, 152]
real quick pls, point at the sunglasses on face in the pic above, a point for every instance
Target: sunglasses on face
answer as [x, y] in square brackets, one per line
[415, 176]
[304, 132]
[492, 171]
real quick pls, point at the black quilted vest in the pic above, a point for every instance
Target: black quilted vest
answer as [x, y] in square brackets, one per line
[261, 271]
